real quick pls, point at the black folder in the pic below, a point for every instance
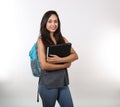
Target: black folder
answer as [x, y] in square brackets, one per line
[60, 50]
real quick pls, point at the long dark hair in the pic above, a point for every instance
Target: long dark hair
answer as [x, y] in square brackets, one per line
[45, 34]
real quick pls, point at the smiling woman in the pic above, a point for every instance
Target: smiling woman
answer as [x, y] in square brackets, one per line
[54, 80]
[52, 24]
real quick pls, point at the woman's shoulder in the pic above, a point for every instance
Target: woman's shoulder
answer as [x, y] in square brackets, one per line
[39, 41]
[65, 39]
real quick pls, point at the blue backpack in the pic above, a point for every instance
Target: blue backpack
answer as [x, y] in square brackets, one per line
[34, 62]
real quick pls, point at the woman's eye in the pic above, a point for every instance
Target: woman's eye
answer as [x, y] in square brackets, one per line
[50, 21]
[55, 21]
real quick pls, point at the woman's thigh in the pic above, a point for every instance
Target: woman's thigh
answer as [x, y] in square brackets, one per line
[48, 96]
[64, 98]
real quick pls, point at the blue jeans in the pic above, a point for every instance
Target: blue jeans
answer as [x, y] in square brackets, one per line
[50, 96]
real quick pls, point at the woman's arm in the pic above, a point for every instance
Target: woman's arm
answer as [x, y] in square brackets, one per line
[56, 59]
[44, 64]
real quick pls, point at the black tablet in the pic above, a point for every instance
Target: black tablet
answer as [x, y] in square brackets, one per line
[60, 50]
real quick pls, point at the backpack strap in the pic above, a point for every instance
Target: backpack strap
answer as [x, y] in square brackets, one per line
[38, 90]
[38, 94]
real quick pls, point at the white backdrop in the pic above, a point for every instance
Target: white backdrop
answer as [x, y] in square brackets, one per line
[93, 27]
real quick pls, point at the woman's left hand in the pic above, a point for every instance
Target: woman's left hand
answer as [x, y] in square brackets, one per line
[53, 59]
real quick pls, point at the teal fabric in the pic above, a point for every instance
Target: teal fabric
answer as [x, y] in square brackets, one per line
[34, 62]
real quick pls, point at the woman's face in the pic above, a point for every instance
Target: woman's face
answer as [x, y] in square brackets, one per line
[52, 23]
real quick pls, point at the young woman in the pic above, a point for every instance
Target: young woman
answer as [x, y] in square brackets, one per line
[54, 81]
